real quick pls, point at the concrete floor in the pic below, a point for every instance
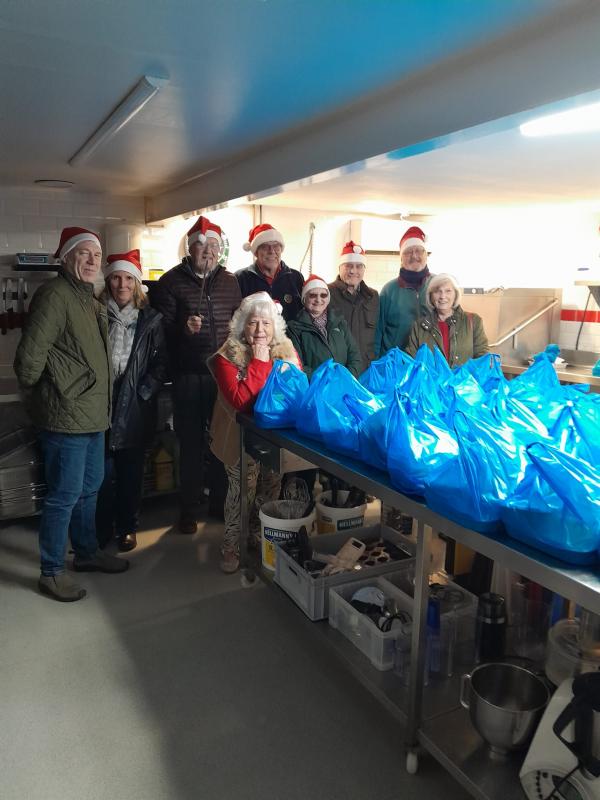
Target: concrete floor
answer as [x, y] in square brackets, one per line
[171, 682]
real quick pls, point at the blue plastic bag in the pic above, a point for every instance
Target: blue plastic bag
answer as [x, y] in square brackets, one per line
[387, 372]
[487, 371]
[556, 507]
[373, 439]
[466, 488]
[278, 401]
[333, 408]
[540, 390]
[417, 442]
[577, 434]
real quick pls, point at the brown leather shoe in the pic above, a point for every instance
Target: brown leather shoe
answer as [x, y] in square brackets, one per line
[127, 543]
[187, 525]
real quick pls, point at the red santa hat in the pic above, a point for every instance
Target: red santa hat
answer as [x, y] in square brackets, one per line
[414, 236]
[71, 237]
[311, 283]
[262, 234]
[202, 230]
[352, 253]
[124, 262]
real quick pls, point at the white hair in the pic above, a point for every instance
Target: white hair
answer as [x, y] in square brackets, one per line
[258, 304]
[436, 282]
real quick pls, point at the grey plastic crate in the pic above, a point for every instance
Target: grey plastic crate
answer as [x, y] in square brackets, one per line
[458, 610]
[380, 648]
[311, 592]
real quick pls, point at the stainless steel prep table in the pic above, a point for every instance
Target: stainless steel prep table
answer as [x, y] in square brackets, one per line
[436, 722]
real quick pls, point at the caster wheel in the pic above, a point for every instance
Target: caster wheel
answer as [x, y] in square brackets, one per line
[412, 763]
[248, 579]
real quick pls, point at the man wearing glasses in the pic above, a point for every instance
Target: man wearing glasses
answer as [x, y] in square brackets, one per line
[269, 273]
[402, 299]
[197, 299]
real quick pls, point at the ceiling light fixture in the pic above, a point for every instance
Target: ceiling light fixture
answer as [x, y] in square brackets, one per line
[137, 98]
[584, 119]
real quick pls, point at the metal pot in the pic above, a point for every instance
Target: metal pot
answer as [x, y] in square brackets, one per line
[505, 702]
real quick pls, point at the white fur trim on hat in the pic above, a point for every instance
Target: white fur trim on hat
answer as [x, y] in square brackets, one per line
[263, 237]
[122, 266]
[75, 240]
[315, 283]
[353, 258]
[412, 243]
[197, 236]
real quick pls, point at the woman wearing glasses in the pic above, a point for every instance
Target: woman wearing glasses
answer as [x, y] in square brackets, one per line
[319, 333]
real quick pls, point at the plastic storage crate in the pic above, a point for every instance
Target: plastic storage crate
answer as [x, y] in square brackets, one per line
[458, 611]
[311, 592]
[380, 648]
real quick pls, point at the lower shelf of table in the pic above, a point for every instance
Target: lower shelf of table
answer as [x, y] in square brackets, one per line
[446, 732]
[452, 740]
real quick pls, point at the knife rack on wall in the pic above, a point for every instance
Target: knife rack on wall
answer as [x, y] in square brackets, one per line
[13, 294]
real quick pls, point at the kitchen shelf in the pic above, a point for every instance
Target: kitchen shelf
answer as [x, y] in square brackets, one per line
[433, 719]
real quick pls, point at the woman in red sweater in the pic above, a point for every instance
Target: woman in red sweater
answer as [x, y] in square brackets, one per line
[241, 367]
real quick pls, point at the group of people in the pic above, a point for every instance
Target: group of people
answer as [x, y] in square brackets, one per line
[90, 368]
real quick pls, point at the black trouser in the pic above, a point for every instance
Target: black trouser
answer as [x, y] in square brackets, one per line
[120, 495]
[194, 399]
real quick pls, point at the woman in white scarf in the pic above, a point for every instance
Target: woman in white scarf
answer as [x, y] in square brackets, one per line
[139, 365]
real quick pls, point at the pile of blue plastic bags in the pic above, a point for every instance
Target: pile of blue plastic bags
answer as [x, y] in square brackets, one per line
[519, 456]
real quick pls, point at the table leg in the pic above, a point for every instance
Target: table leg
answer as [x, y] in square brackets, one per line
[419, 636]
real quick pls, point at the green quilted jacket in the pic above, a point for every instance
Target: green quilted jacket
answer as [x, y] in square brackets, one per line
[62, 361]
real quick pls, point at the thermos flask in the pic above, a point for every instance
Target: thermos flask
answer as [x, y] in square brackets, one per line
[490, 632]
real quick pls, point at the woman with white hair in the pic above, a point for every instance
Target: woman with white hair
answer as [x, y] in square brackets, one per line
[241, 367]
[458, 334]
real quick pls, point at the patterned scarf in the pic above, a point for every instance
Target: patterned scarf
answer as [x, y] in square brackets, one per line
[122, 323]
[320, 324]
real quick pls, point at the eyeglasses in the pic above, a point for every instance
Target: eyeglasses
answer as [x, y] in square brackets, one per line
[414, 251]
[275, 248]
[319, 296]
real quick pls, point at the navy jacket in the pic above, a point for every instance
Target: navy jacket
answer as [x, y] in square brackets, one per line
[287, 287]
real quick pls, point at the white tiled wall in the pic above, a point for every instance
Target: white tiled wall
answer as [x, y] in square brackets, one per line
[31, 219]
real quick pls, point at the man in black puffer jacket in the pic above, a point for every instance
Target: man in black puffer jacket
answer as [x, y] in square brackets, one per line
[197, 299]
[269, 273]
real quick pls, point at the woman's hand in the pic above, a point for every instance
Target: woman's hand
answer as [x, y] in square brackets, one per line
[194, 323]
[261, 352]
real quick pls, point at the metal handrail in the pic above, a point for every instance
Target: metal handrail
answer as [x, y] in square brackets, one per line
[524, 324]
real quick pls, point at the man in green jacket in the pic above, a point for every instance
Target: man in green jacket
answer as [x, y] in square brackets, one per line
[62, 364]
[403, 299]
[355, 301]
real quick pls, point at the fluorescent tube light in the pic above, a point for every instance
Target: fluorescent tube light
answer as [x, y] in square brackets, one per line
[584, 119]
[123, 113]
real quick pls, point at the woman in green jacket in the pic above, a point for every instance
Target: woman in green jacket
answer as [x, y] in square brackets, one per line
[319, 333]
[458, 334]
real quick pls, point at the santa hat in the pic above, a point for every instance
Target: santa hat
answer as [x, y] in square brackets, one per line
[414, 236]
[202, 230]
[352, 254]
[71, 237]
[124, 262]
[311, 283]
[262, 234]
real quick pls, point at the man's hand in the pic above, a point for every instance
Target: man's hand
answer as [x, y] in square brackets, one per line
[261, 352]
[194, 323]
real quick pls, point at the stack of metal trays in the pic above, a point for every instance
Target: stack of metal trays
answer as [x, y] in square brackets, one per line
[22, 486]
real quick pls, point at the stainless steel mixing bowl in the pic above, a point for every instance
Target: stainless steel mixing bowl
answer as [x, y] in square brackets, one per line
[505, 702]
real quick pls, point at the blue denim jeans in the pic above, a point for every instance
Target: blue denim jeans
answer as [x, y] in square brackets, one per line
[74, 469]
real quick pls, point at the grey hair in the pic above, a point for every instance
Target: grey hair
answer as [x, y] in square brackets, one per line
[436, 282]
[260, 304]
